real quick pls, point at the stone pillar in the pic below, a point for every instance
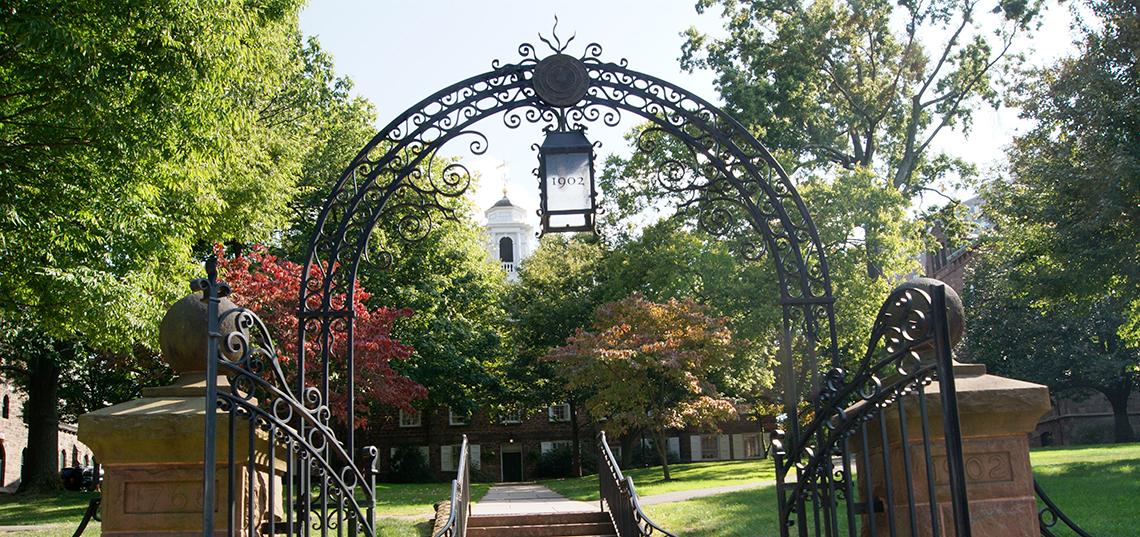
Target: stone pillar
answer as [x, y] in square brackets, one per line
[152, 448]
[997, 414]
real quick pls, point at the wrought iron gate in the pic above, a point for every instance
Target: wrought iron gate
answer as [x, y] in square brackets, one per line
[285, 470]
[859, 467]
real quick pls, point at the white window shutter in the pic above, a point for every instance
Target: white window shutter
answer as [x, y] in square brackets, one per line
[426, 452]
[445, 462]
[546, 446]
[722, 446]
[474, 453]
[673, 446]
[695, 446]
[738, 446]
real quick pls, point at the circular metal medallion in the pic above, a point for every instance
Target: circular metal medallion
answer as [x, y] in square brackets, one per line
[561, 80]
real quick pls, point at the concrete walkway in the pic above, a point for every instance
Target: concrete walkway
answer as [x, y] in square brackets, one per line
[525, 499]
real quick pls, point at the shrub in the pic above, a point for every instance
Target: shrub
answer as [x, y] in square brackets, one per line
[555, 463]
[410, 466]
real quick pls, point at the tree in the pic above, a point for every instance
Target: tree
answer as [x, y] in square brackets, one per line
[835, 85]
[134, 135]
[1068, 346]
[646, 364]
[557, 293]
[270, 286]
[839, 83]
[1056, 289]
[1070, 202]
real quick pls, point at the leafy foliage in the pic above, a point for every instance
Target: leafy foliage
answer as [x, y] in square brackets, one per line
[646, 365]
[852, 83]
[270, 286]
[1052, 297]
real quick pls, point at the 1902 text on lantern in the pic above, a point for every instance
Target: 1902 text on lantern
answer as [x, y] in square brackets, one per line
[566, 182]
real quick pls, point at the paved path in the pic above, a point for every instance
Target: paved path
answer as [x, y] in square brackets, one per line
[38, 527]
[527, 498]
[683, 495]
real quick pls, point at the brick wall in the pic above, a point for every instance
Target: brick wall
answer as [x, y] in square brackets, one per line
[14, 439]
[528, 436]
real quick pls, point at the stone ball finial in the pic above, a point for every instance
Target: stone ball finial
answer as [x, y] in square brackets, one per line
[183, 332]
[956, 312]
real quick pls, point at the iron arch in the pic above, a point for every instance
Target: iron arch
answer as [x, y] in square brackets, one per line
[736, 175]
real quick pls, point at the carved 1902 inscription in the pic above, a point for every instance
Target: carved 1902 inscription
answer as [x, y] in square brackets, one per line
[163, 497]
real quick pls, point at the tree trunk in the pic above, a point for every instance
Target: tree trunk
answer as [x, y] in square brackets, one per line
[662, 453]
[576, 442]
[41, 414]
[1122, 427]
[626, 442]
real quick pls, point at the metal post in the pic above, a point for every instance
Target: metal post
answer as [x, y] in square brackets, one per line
[209, 459]
[951, 422]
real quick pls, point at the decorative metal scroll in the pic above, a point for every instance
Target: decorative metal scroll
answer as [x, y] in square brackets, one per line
[861, 468]
[399, 186]
[619, 497]
[282, 468]
[1051, 515]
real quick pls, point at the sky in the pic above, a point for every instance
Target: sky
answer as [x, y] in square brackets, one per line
[398, 52]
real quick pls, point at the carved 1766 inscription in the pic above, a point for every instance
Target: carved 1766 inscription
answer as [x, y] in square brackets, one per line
[163, 497]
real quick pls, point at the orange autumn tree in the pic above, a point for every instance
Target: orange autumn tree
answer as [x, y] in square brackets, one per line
[270, 287]
[646, 367]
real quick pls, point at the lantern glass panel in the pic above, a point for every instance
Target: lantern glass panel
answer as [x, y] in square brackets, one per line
[568, 181]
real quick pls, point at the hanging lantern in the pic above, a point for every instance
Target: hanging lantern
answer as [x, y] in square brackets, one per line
[566, 182]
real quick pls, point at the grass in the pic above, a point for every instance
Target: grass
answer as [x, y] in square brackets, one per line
[1096, 486]
[411, 499]
[687, 476]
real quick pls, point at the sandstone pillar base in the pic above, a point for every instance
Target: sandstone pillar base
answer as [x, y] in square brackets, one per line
[997, 414]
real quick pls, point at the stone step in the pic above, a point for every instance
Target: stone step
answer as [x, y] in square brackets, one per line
[476, 521]
[575, 529]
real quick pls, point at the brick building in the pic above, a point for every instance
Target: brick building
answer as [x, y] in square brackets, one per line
[14, 439]
[507, 447]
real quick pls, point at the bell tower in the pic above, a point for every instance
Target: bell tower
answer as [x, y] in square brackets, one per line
[510, 238]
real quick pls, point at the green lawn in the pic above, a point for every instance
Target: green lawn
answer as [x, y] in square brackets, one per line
[1096, 486]
[687, 476]
[417, 498]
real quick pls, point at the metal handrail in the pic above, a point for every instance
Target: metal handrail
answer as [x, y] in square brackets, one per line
[619, 497]
[1054, 514]
[456, 525]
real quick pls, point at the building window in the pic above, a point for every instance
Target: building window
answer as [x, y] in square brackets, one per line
[449, 457]
[559, 412]
[752, 447]
[547, 447]
[62, 459]
[86, 461]
[710, 448]
[458, 418]
[4, 409]
[506, 250]
[74, 456]
[409, 419]
[513, 416]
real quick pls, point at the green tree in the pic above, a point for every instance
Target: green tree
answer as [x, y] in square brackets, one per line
[856, 83]
[647, 364]
[135, 134]
[557, 293]
[1071, 202]
[1054, 297]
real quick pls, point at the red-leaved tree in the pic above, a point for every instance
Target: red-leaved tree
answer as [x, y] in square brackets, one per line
[270, 287]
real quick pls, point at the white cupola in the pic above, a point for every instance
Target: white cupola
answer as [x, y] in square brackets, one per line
[510, 237]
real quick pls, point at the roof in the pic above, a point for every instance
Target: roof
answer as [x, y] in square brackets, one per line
[503, 203]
